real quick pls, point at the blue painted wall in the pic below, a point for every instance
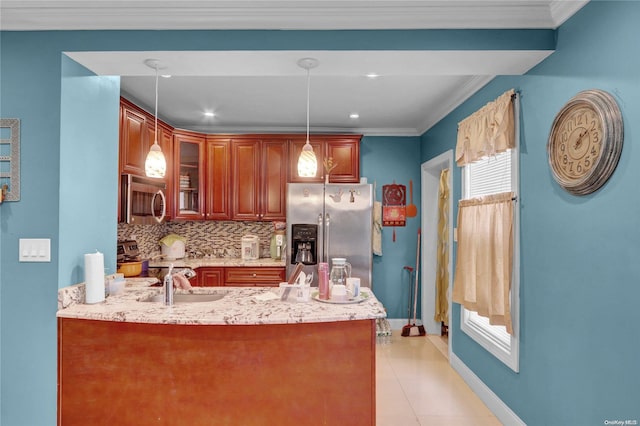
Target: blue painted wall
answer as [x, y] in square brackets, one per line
[385, 160]
[31, 70]
[88, 133]
[580, 322]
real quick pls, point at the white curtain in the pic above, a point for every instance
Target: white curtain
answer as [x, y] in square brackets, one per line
[485, 257]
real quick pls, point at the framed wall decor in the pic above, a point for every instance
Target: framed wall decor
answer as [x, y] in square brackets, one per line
[10, 159]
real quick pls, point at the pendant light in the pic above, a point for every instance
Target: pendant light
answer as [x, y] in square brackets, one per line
[155, 165]
[307, 162]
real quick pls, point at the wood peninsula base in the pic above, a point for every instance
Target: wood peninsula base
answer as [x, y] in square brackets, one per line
[120, 373]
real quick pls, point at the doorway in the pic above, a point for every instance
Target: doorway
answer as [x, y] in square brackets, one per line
[430, 179]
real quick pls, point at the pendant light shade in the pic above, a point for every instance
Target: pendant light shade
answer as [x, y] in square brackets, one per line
[307, 162]
[155, 164]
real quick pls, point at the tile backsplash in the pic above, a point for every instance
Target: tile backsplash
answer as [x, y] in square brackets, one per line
[204, 238]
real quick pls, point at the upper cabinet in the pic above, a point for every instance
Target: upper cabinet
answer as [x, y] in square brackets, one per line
[189, 175]
[218, 178]
[345, 153]
[343, 150]
[230, 177]
[137, 133]
[133, 139]
[203, 178]
[259, 178]
[165, 140]
[295, 148]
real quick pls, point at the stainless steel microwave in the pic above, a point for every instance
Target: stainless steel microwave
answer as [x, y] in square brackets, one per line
[143, 200]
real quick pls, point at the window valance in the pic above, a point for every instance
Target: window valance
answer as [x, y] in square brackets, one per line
[488, 131]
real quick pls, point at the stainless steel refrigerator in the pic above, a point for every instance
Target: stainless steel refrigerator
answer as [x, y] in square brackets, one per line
[325, 221]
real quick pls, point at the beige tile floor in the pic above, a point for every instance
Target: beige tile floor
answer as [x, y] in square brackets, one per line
[415, 385]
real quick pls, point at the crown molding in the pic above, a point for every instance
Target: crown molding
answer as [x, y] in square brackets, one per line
[22, 15]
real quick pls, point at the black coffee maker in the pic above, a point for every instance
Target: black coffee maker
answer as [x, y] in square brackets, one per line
[304, 238]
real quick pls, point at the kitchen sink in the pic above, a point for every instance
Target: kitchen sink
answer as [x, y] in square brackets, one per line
[187, 298]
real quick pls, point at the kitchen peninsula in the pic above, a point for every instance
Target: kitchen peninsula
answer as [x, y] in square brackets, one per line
[244, 359]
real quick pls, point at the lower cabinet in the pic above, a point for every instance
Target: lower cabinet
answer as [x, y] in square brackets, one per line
[171, 374]
[254, 277]
[210, 277]
[240, 276]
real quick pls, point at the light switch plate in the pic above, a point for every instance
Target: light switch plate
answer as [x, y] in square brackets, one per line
[34, 250]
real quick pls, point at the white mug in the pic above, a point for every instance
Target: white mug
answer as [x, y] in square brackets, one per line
[339, 292]
[353, 286]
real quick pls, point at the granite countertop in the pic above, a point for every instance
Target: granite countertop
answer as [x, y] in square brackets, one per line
[201, 262]
[240, 306]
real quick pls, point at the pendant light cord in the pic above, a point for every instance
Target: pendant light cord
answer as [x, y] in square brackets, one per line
[156, 118]
[308, 85]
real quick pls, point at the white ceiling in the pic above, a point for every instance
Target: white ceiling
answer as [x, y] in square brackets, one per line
[265, 91]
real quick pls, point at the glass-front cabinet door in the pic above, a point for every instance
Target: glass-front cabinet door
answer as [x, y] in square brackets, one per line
[189, 154]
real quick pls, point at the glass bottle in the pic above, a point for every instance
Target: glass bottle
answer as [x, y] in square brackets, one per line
[323, 281]
[340, 271]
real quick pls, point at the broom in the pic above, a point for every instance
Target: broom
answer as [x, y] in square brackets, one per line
[413, 330]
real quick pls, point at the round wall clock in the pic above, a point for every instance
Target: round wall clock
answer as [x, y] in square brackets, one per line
[585, 142]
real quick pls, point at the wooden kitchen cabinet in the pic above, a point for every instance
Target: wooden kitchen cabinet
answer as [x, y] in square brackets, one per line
[259, 178]
[165, 140]
[133, 139]
[137, 134]
[218, 179]
[343, 149]
[345, 152]
[254, 277]
[210, 277]
[216, 374]
[189, 176]
[222, 177]
[203, 180]
[295, 148]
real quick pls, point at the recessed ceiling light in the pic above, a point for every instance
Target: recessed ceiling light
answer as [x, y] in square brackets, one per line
[373, 75]
[209, 114]
[354, 115]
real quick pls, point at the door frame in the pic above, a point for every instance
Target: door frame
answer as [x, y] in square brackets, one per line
[430, 180]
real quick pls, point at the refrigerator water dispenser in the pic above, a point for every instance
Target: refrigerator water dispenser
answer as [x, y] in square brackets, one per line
[304, 239]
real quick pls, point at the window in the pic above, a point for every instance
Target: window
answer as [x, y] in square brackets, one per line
[491, 175]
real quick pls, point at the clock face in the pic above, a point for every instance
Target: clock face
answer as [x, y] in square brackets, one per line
[578, 143]
[585, 142]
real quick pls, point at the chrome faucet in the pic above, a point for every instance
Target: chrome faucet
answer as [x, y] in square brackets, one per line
[168, 287]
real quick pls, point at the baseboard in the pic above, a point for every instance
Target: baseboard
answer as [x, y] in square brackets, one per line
[397, 323]
[491, 400]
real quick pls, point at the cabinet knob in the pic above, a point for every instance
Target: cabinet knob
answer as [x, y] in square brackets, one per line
[255, 275]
